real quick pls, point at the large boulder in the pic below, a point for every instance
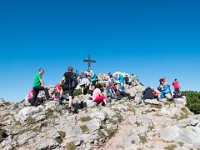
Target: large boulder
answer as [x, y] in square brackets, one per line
[34, 112]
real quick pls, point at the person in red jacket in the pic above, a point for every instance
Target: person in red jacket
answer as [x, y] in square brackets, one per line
[176, 87]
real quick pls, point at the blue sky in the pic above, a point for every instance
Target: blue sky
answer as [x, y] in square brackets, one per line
[148, 38]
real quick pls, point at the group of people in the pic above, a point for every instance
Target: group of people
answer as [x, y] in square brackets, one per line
[163, 91]
[114, 89]
[68, 83]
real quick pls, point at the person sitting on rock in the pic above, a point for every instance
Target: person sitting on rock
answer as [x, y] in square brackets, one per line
[122, 92]
[84, 84]
[56, 94]
[38, 100]
[110, 92]
[166, 91]
[38, 86]
[176, 85]
[111, 79]
[93, 79]
[97, 96]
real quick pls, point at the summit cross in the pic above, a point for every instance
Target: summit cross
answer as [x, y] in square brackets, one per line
[89, 61]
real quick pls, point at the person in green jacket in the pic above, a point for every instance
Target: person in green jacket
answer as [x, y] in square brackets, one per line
[38, 85]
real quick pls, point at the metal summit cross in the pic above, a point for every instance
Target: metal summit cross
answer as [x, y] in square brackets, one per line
[89, 61]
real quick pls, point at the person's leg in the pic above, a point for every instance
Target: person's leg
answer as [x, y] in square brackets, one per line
[46, 91]
[35, 94]
[70, 97]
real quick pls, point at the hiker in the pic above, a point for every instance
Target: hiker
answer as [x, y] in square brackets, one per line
[110, 92]
[150, 93]
[121, 79]
[122, 92]
[93, 79]
[162, 82]
[176, 86]
[111, 79]
[56, 94]
[30, 97]
[97, 96]
[38, 86]
[127, 80]
[166, 91]
[84, 84]
[69, 85]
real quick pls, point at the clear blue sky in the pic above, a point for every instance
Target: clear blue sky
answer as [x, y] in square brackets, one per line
[148, 38]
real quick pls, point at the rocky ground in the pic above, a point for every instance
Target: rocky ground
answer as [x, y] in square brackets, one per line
[123, 124]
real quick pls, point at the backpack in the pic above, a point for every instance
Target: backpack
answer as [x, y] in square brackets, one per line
[73, 82]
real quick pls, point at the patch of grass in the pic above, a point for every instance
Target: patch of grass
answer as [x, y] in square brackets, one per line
[131, 108]
[49, 113]
[18, 123]
[138, 123]
[151, 127]
[175, 117]
[112, 121]
[23, 131]
[181, 144]
[116, 110]
[84, 119]
[62, 136]
[101, 134]
[30, 121]
[169, 102]
[170, 147]
[110, 132]
[156, 106]
[143, 139]
[184, 113]
[71, 146]
[84, 128]
[119, 117]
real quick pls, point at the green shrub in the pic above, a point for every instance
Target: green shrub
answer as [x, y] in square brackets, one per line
[193, 101]
[143, 139]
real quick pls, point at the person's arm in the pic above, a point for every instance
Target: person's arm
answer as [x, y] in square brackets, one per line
[62, 80]
[42, 82]
[99, 92]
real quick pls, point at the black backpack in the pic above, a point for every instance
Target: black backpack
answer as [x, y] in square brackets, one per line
[73, 82]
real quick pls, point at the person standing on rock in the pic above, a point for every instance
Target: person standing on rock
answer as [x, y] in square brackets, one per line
[121, 79]
[176, 88]
[38, 86]
[69, 85]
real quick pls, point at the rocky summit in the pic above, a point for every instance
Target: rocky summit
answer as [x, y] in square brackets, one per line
[122, 124]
